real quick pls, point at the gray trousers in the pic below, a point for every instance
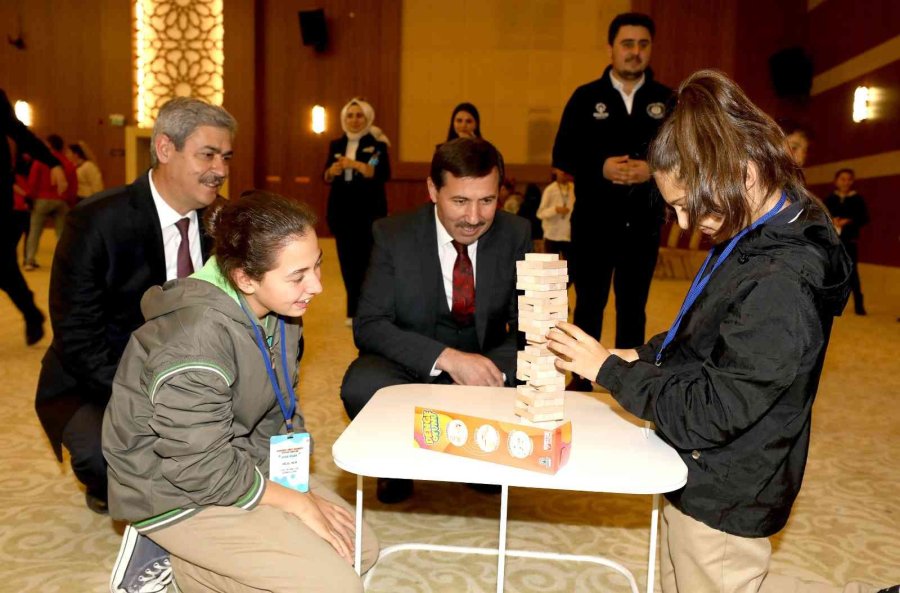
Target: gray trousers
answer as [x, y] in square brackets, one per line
[44, 209]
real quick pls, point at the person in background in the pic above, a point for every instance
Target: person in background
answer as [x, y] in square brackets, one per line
[602, 142]
[531, 201]
[796, 138]
[90, 180]
[48, 201]
[731, 385]
[555, 213]
[357, 169]
[11, 280]
[849, 214]
[198, 406]
[509, 199]
[22, 201]
[464, 122]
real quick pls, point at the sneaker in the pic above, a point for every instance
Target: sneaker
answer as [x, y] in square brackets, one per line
[31, 266]
[141, 566]
[34, 328]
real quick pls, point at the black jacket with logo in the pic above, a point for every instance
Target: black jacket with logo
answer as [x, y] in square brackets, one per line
[596, 125]
[734, 391]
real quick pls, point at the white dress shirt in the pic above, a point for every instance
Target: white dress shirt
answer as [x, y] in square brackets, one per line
[172, 237]
[620, 86]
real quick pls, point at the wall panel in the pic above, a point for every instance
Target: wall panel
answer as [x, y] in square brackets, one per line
[75, 70]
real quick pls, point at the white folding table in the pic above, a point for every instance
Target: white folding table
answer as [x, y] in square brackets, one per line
[609, 454]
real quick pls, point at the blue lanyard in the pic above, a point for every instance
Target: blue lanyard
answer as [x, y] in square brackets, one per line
[701, 280]
[287, 409]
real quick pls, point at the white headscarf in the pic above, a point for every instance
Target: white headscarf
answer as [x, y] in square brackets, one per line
[369, 112]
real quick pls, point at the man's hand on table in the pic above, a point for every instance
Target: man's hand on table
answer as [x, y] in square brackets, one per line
[469, 369]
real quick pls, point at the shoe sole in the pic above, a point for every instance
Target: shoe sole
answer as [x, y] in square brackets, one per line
[129, 540]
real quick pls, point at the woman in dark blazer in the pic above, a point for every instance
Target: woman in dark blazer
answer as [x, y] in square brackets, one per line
[357, 168]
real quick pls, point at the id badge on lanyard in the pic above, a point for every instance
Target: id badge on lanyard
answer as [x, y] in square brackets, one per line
[288, 453]
[289, 460]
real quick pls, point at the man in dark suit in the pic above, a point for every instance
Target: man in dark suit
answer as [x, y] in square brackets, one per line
[420, 318]
[115, 246]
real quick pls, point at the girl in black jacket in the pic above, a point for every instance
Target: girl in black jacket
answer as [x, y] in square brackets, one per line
[731, 385]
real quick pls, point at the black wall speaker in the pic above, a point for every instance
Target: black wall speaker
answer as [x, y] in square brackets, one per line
[792, 72]
[313, 29]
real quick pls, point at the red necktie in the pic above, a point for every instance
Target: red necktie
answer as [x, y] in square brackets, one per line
[463, 287]
[185, 267]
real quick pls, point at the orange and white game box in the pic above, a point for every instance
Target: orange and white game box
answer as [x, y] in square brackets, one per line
[536, 448]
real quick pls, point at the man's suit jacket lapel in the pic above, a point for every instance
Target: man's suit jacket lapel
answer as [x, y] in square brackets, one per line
[430, 265]
[146, 227]
[485, 279]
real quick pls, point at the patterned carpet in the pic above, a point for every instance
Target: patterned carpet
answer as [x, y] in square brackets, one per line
[845, 524]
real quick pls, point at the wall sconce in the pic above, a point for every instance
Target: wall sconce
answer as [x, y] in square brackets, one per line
[318, 119]
[861, 110]
[23, 112]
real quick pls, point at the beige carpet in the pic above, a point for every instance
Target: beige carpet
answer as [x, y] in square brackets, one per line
[845, 525]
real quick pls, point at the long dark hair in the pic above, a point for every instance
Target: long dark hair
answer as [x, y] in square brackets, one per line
[707, 142]
[249, 231]
[470, 109]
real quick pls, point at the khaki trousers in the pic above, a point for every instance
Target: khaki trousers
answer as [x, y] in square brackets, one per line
[696, 558]
[230, 550]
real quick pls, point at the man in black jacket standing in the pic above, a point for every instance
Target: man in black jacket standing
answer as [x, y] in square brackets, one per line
[602, 142]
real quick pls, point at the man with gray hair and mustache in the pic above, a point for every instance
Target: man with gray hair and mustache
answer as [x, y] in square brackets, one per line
[115, 246]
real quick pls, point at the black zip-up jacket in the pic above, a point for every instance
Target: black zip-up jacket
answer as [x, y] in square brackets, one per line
[596, 125]
[733, 393]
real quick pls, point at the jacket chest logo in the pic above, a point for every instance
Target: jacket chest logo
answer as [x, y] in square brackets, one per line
[600, 111]
[656, 110]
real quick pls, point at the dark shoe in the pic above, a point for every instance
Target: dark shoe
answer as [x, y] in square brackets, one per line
[31, 266]
[96, 504]
[486, 488]
[34, 328]
[141, 566]
[393, 490]
[860, 310]
[579, 384]
[894, 589]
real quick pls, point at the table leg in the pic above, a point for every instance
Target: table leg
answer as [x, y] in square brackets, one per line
[359, 512]
[654, 524]
[501, 549]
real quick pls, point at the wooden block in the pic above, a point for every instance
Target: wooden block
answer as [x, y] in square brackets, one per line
[545, 404]
[556, 306]
[538, 351]
[543, 315]
[541, 257]
[542, 300]
[542, 416]
[532, 373]
[544, 388]
[530, 264]
[530, 286]
[537, 325]
[535, 338]
[536, 361]
[529, 391]
[558, 279]
[542, 272]
[559, 381]
[539, 400]
[550, 294]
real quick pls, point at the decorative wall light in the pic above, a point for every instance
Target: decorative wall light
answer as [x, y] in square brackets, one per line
[178, 53]
[861, 108]
[318, 119]
[23, 112]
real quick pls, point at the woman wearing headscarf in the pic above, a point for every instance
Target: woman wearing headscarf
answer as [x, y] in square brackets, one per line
[357, 168]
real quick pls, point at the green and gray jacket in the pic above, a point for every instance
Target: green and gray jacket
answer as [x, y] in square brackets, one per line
[192, 406]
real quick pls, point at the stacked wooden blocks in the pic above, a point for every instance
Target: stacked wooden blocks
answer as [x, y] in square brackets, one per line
[543, 277]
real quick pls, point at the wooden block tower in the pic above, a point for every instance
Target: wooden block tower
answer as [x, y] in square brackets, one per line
[543, 277]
